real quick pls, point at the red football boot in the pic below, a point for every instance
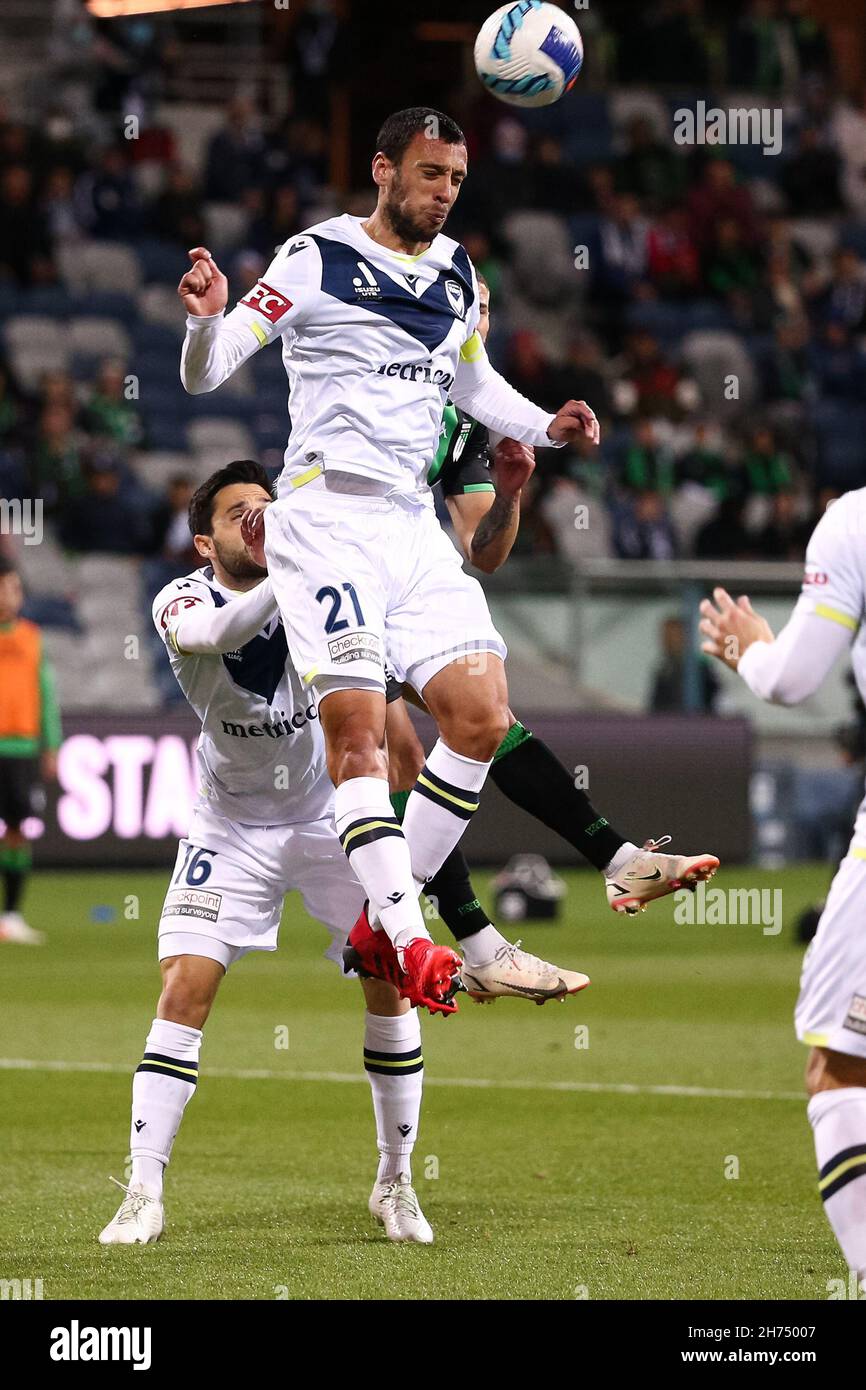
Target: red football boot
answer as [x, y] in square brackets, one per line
[431, 976]
[371, 953]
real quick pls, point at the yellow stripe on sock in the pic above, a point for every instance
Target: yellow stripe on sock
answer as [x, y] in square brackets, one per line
[447, 796]
[368, 825]
[842, 1168]
[169, 1066]
[823, 610]
[380, 1062]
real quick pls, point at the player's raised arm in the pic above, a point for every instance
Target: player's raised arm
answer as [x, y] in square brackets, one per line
[486, 396]
[789, 668]
[217, 344]
[486, 523]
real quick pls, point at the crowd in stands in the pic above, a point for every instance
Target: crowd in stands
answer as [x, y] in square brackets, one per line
[709, 302]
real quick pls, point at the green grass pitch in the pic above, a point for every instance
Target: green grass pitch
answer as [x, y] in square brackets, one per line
[575, 1171]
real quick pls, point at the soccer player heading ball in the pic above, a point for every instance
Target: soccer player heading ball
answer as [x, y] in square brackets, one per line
[378, 319]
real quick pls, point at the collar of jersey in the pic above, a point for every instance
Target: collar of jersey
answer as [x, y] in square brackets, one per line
[354, 223]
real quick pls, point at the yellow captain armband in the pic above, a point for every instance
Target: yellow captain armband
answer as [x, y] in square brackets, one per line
[835, 615]
[260, 333]
[472, 348]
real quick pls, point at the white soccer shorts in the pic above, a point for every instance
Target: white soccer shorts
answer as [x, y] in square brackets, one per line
[831, 1009]
[358, 578]
[226, 893]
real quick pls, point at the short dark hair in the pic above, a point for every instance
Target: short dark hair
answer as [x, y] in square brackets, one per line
[400, 130]
[202, 501]
[7, 567]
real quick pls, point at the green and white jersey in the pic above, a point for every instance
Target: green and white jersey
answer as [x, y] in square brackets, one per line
[462, 462]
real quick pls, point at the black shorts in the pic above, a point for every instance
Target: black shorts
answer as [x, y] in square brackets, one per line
[19, 785]
[393, 687]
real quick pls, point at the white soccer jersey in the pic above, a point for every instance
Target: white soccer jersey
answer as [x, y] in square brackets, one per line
[827, 615]
[374, 342]
[261, 752]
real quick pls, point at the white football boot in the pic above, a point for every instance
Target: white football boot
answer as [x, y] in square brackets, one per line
[648, 875]
[14, 928]
[522, 976]
[140, 1218]
[394, 1205]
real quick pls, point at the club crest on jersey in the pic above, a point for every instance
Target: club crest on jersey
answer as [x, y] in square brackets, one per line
[365, 285]
[456, 298]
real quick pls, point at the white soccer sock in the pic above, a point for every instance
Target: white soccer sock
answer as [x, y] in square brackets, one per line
[622, 856]
[163, 1083]
[440, 807]
[395, 1069]
[838, 1119]
[481, 947]
[377, 850]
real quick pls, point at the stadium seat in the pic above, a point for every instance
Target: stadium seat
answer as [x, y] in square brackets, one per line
[99, 265]
[34, 347]
[710, 356]
[154, 470]
[162, 262]
[98, 337]
[817, 237]
[226, 224]
[219, 441]
[159, 304]
[626, 104]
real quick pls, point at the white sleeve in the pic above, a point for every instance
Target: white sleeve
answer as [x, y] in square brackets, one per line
[825, 619]
[204, 631]
[216, 345]
[488, 398]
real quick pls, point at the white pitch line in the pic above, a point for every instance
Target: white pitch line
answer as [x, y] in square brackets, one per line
[604, 1088]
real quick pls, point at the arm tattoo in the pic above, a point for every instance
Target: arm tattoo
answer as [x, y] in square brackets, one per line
[498, 519]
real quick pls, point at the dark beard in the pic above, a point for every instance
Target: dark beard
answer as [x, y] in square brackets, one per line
[240, 566]
[402, 225]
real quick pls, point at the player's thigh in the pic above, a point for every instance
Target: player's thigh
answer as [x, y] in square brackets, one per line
[324, 560]
[470, 695]
[440, 613]
[225, 890]
[831, 1008]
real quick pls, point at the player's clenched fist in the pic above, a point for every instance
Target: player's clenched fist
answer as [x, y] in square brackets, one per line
[574, 419]
[204, 289]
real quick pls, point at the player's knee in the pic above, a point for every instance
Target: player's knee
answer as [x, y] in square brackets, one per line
[476, 731]
[356, 758]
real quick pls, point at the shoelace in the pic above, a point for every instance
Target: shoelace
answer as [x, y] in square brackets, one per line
[653, 845]
[406, 1200]
[135, 1202]
[509, 952]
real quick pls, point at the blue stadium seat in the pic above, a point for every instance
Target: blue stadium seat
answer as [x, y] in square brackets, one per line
[53, 301]
[841, 431]
[105, 304]
[155, 338]
[167, 432]
[667, 322]
[161, 261]
[708, 313]
[853, 235]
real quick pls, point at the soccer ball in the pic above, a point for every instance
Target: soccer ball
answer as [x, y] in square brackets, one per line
[529, 53]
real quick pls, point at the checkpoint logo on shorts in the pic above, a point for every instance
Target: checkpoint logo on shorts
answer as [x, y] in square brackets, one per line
[356, 646]
[192, 902]
[269, 303]
[856, 1018]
